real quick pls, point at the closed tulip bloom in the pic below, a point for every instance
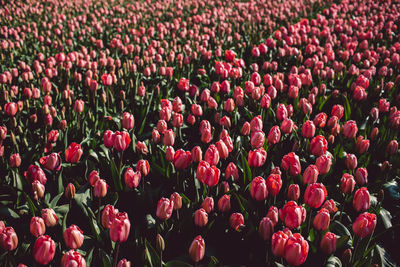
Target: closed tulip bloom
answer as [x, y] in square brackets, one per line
[44, 249]
[211, 176]
[245, 129]
[232, 171]
[318, 145]
[73, 153]
[208, 204]
[121, 140]
[256, 124]
[8, 239]
[143, 167]
[200, 218]
[132, 178]
[266, 228]
[128, 120]
[291, 164]
[258, 189]
[212, 155]
[257, 139]
[93, 177]
[324, 163]
[37, 190]
[37, 226]
[362, 145]
[274, 184]
[350, 129]
[278, 242]
[361, 176]
[182, 159]
[296, 250]
[308, 129]
[328, 243]
[100, 188]
[197, 154]
[120, 227]
[10, 109]
[169, 138]
[347, 183]
[201, 170]
[310, 174]
[293, 192]
[224, 203]
[273, 214]
[322, 220]
[73, 237]
[364, 225]
[292, 215]
[257, 157]
[124, 263]
[79, 105]
[141, 147]
[361, 199]
[108, 138]
[15, 160]
[222, 149]
[107, 216]
[49, 216]
[155, 135]
[51, 162]
[315, 195]
[70, 191]
[73, 258]
[35, 173]
[392, 147]
[351, 161]
[197, 249]
[330, 205]
[338, 111]
[274, 135]
[236, 221]
[164, 208]
[177, 199]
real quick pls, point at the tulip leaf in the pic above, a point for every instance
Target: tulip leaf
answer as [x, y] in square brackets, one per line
[151, 255]
[339, 229]
[150, 221]
[386, 218]
[333, 262]
[277, 264]
[176, 263]
[383, 257]
[6, 212]
[342, 241]
[53, 203]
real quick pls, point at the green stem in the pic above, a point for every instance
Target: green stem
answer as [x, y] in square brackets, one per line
[355, 249]
[116, 254]
[309, 221]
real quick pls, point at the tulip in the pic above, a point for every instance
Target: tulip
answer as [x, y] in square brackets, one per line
[350, 129]
[35, 173]
[79, 105]
[273, 214]
[315, 195]
[73, 237]
[308, 129]
[361, 176]
[15, 160]
[177, 200]
[274, 184]
[37, 226]
[155, 135]
[245, 130]
[324, 163]
[182, 159]
[232, 171]
[49, 216]
[128, 120]
[211, 176]
[120, 227]
[197, 249]
[392, 147]
[291, 164]
[164, 208]
[69, 191]
[10, 109]
[37, 190]
[107, 216]
[8, 239]
[124, 263]
[256, 124]
[274, 135]
[364, 225]
[236, 221]
[100, 188]
[310, 174]
[266, 228]
[208, 204]
[73, 153]
[222, 149]
[321, 220]
[141, 147]
[258, 189]
[143, 167]
[296, 250]
[93, 177]
[108, 138]
[351, 161]
[338, 111]
[73, 258]
[197, 154]
[330, 205]
[278, 242]
[292, 215]
[121, 140]
[257, 157]
[132, 178]
[318, 145]
[293, 192]
[212, 155]
[361, 199]
[44, 250]
[51, 162]
[200, 217]
[224, 203]
[328, 243]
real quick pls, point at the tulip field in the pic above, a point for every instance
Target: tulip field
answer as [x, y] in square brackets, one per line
[199, 133]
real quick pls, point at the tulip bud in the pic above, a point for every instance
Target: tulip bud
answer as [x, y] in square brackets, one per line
[293, 192]
[208, 204]
[200, 217]
[361, 175]
[197, 249]
[321, 220]
[266, 228]
[236, 221]
[100, 188]
[278, 242]
[315, 195]
[361, 199]
[310, 174]
[120, 227]
[164, 208]
[38, 190]
[73, 258]
[124, 263]
[132, 178]
[177, 200]
[364, 225]
[296, 250]
[258, 189]
[44, 249]
[328, 243]
[73, 237]
[8, 239]
[160, 244]
[224, 203]
[70, 191]
[107, 216]
[37, 226]
[49, 216]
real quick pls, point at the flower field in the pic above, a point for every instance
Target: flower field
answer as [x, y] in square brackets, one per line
[199, 133]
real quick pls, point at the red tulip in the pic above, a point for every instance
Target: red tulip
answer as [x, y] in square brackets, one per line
[350, 129]
[35, 173]
[308, 129]
[132, 178]
[212, 155]
[200, 218]
[8, 239]
[236, 221]
[318, 145]
[208, 204]
[273, 214]
[274, 135]
[100, 188]
[44, 250]
[93, 177]
[197, 154]
[107, 216]
[328, 243]
[49, 216]
[73, 237]
[364, 225]
[222, 149]
[164, 208]
[322, 220]
[73, 258]
[274, 184]
[257, 157]
[124, 263]
[197, 249]
[330, 205]
[73, 153]
[315, 195]
[51, 162]
[224, 203]
[211, 176]
[128, 120]
[120, 227]
[258, 189]
[266, 228]
[291, 164]
[361, 176]
[177, 199]
[361, 199]
[256, 124]
[108, 138]
[121, 140]
[143, 167]
[351, 161]
[292, 215]
[324, 163]
[37, 226]
[232, 171]
[15, 160]
[296, 250]
[182, 159]
[310, 174]
[278, 242]
[10, 109]
[293, 192]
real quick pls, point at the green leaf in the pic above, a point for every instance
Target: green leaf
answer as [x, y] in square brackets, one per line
[6, 212]
[151, 255]
[383, 256]
[106, 259]
[339, 229]
[333, 262]
[176, 263]
[342, 241]
[150, 221]
[53, 203]
[277, 264]
[386, 218]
